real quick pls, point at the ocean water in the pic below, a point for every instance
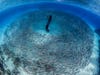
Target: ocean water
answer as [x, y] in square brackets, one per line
[26, 46]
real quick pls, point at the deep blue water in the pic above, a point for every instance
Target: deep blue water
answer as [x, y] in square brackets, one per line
[93, 20]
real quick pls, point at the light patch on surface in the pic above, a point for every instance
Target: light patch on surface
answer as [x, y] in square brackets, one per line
[92, 67]
[9, 63]
[59, 0]
[88, 70]
[23, 72]
[42, 38]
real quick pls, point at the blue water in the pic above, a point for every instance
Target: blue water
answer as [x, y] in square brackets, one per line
[93, 20]
[8, 15]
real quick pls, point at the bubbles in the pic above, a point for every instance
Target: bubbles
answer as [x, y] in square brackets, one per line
[65, 49]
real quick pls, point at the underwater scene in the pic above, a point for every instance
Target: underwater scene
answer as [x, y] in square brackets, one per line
[49, 37]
